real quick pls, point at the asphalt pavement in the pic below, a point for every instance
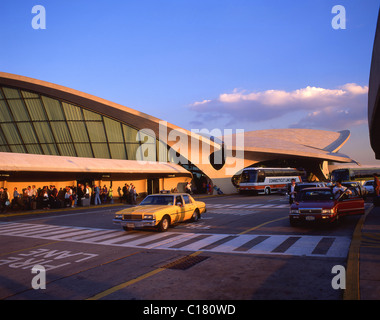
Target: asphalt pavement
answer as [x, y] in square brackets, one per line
[363, 262]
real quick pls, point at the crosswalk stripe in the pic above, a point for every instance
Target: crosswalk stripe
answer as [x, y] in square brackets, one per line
[189, 241]
[251, 243]
[323, 245]
[147, 243]
[286, 244]
[254, 206]
[296, 245]
[119, 239]
[34, 230]
[239, 206]
[93, 233]
[103, 236]
[218, 243]
[304, 246]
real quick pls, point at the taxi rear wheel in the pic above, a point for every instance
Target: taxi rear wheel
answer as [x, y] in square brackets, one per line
[164, 224]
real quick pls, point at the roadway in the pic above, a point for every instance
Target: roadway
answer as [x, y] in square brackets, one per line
[243, 248]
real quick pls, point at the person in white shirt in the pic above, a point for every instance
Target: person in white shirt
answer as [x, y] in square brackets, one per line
[339, 189]
[292, 191]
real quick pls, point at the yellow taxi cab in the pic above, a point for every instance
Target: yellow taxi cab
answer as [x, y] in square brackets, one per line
[160, 211]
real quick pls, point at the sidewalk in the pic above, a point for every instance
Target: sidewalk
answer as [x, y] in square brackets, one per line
[369, 257]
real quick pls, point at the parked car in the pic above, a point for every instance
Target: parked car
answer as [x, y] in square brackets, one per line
[303, 185]
[368, 185]
[160, 211]
[319, 204]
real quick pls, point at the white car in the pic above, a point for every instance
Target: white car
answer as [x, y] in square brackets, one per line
[368, 185]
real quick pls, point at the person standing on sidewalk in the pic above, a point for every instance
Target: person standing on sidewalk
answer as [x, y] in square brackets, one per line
[97, 195]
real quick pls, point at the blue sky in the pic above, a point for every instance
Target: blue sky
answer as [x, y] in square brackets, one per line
[206, 64]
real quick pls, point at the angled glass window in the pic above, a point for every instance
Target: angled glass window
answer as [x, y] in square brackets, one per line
[2, 139]
[50, 149]
[1, 95]
[10, 133]
[130, 134]
[113, 129]
[133, 151]
[72, 112]
[33, 148]
[44, 133]
[117, 151]
[101, 150]
[96, 131]
[4, 149]
[83, 150]
[11, 93]
[78, 131]
[61, 132]
[53, 108]
[27, 132]
[27, 94]
[18, 110]
[5, 115]
[88, 115]
[66, 149]
[18, 149]
[36, 109]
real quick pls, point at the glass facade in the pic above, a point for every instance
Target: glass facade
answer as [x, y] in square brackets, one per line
[38, 124]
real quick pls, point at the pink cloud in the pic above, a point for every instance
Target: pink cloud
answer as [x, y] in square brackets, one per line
[344, 106]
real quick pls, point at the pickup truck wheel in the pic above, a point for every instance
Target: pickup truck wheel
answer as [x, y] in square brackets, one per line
[164, 224]
[195, 216]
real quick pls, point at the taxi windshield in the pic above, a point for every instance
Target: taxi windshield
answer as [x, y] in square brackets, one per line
[158, 200]
[316, 195]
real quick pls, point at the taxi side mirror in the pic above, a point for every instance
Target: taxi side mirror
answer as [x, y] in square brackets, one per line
[179, 204]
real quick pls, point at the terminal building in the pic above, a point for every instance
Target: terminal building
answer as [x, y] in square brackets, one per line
[374, 95]
[53, 135]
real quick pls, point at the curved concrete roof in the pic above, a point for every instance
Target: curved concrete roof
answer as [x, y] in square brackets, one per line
[305, 143]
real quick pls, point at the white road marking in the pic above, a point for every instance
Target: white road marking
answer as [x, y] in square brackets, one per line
[294, 245]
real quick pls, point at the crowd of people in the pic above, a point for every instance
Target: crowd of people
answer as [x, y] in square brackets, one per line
[49, 197]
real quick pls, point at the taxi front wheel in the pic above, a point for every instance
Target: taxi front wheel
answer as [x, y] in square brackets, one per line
[164, 224]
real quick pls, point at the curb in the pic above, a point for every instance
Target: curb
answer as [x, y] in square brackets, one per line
[352, 291]
[68, 209]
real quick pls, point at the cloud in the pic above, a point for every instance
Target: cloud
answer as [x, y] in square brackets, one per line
[338, 108]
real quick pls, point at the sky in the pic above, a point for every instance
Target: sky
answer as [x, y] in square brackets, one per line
[214, 64]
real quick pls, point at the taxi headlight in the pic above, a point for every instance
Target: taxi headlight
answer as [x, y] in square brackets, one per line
[118, 216]
[294, 211]
[148, 216]
[327, 211]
